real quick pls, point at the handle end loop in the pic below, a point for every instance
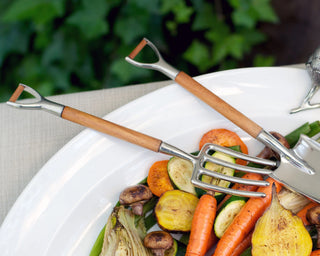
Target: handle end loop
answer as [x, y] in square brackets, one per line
[161, 65]
[38, 102]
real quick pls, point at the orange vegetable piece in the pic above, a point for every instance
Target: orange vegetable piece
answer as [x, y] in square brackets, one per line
[158, 179]
[238, 186]
[245, 221]
[246, 243]
[225, 138]
[201, 228]
[315, 253]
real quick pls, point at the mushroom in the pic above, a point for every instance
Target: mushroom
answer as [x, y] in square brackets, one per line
[135, 196]
[313, 216]
[158, 242]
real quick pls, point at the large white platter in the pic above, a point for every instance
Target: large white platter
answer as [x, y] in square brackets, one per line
[67, 203]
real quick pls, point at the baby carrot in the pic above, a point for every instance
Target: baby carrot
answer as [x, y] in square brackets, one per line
[201, 227]
[246, 243]
[244, 222]
[251, 176]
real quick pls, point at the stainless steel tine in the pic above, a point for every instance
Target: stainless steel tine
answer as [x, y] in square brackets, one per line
[206, 186]
[235, 154]
[205, 157]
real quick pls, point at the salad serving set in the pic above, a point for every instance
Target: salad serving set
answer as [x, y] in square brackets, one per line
[298, 168]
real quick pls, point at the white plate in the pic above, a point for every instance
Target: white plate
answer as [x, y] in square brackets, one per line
[65, 206]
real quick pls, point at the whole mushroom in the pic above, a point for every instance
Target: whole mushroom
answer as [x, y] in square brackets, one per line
[313, 216]
[135, 196]
[158, 242]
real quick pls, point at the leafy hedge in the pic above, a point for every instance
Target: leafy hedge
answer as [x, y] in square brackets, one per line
[64, 46]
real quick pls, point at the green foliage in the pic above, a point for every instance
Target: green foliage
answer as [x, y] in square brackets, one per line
[66, 46]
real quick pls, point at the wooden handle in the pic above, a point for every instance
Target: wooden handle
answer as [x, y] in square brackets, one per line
[136, 50]
[110, 128]
[218, 104]
[17, 93]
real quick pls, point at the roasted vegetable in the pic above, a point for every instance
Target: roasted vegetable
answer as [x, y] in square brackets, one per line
[158, 242]
[292, 201]
[158, 179]
[123, 236]
[279, 232]
[135, 196]
[175, 209]
[313, 216]
[227, 213]
[180, 172]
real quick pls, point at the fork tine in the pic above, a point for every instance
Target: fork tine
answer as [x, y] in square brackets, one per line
[208, 158]
[233, 179]
[239, 155]
[231, 191]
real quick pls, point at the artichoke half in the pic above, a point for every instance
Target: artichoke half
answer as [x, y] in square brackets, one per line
[123, 236]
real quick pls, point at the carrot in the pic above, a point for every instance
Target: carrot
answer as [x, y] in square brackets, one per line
[251, 176]
[225, 138]
[201, 227]
[246, 242]
[213, 239]
[315, 253]
[303, 212]
[245, 221]
[158, 179]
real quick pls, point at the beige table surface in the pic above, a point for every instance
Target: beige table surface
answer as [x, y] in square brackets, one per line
[28, 139]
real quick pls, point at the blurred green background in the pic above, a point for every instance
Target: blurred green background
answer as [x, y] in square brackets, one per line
[65, 46]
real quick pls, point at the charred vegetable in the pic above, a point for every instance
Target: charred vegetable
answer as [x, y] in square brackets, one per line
[279, 232]
[313, 216]
[123, 236]
[180, 172]
[292, 201]
[136, 197]
[158, 242]
[175, 209]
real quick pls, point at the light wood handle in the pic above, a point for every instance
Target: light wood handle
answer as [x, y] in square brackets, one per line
[138, 49]
[110, 128]
[218, 104]
[17, 93]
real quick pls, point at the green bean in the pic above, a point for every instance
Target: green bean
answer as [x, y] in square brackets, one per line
[294, 136]
[315, 128]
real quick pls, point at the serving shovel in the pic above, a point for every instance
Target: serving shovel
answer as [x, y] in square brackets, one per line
[298, 168]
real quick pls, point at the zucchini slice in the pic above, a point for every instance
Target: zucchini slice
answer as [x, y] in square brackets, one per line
[228, 212]
[180, 172]
[173, 250]
[220, 169]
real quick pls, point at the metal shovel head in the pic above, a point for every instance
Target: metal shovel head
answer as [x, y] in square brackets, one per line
[293, 177]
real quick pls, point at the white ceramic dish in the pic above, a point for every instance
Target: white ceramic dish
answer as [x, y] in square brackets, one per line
[67, 203]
